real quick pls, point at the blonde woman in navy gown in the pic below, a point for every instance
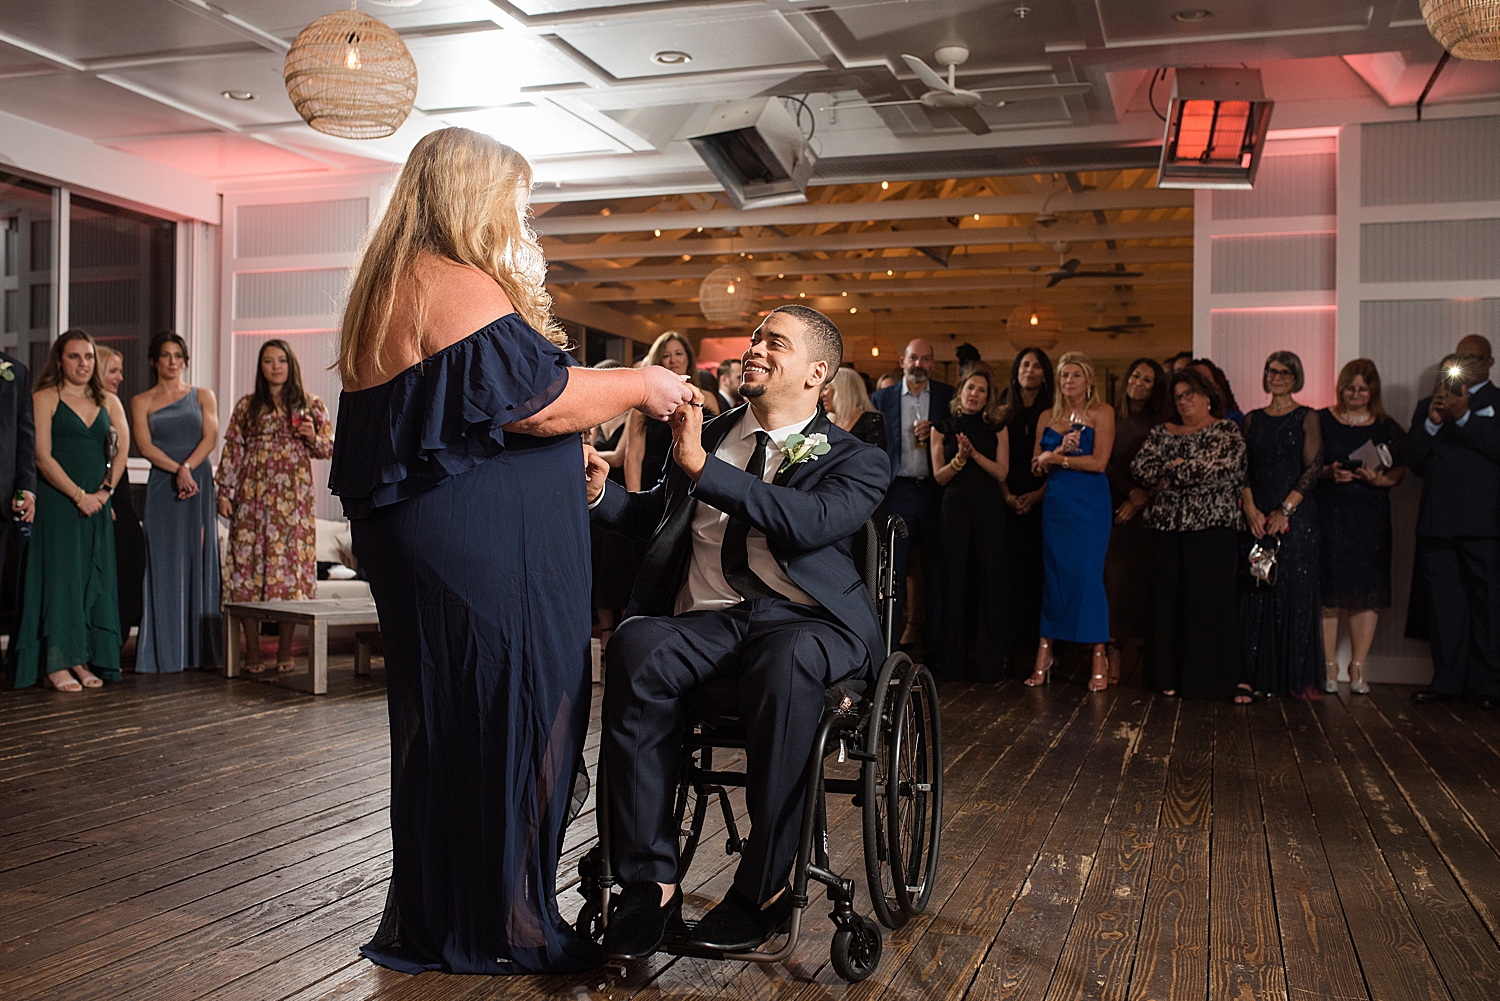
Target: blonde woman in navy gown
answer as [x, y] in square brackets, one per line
[458, 461]
[1072, 452]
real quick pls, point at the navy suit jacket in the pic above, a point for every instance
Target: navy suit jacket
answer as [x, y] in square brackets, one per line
[888, 402]
[809, 514]
[1460, 470]
[17, 435]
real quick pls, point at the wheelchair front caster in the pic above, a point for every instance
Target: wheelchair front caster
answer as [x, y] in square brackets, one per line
[856, 949]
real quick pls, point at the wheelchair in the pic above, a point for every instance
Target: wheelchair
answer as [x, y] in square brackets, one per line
[891, 727]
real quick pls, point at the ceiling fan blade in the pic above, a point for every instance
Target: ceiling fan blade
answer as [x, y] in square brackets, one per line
[1057, 277]
[969, 119]
[1105, 274]
[882, 104]
[1036, 92]
[927, 74]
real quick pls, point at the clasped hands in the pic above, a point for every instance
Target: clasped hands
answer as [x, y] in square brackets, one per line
[671, 398]
[1054, 457]
[1342, 475]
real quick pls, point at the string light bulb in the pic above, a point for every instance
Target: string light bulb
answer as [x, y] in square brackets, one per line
[729, 288]
[885, 185]
[801, 295]
[854, 309]
[1034, 320]
[875, 351]
[351, 58]
[658, 232]
[889, 272]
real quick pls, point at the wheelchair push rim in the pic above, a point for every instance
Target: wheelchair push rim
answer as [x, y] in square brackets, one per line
[873, 781]
[914, 791]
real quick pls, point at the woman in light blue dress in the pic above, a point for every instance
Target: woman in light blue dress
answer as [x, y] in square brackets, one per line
[1072, 452]
[176, 427]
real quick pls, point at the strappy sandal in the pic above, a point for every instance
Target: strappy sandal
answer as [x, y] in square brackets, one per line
[1243, 695]
[70, 685]
[1099, 682]
[285, 666]
[1360, 687]
[1041, 675]
[87, 678]
[255, 667]
[1331, 676]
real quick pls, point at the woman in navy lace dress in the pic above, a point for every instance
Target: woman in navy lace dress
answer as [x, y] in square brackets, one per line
[1283, 620]
[459, 464]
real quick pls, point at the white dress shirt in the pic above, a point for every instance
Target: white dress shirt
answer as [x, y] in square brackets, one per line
[915, 461]
[706, 587]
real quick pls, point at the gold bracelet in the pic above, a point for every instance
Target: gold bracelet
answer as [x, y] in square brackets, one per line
[1065, 462]
[80, 496]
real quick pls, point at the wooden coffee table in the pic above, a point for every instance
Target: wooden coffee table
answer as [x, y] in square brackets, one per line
[316, 614]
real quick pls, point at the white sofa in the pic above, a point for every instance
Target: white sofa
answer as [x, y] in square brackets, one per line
[334, 546]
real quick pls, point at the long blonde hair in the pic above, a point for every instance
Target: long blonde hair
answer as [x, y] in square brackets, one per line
[462, 196]
[1059, 405]
[849, 391]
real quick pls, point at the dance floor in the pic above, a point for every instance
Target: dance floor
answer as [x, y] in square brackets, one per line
[190, 837]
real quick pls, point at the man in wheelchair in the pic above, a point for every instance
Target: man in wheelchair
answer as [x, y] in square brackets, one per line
[749, 575]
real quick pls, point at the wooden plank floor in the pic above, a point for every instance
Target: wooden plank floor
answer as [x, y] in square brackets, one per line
[190, 837]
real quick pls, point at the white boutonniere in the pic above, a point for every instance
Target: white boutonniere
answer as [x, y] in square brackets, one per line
[802, 448]
[6, 372]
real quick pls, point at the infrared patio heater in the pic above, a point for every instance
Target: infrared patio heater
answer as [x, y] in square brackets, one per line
[1216, 128]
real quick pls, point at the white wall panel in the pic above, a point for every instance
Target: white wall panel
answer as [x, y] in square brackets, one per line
[262, 294]
[1420, 163]
[1287, 262]
[1243, 338]
[1285, 186]
[1431, 251]
[301, 228]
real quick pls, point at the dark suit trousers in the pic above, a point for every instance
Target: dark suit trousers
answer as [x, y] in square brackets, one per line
[784, 656]
[1463, 587]
[920, 504]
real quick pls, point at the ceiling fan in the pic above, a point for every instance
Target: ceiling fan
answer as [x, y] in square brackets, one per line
[959, 104]
[1069, 269]
[1131, 325]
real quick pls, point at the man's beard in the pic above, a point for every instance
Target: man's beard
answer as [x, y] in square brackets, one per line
[917, 375]
[752, 391]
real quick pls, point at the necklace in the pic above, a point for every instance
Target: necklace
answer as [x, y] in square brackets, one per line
[1350, 419]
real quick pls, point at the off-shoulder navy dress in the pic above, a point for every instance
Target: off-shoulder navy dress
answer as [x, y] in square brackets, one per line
[476, 544]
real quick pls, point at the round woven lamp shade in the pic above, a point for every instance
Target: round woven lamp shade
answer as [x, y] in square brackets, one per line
[729, 295]
[349, 75]
[1470, 29]
[1033, 325]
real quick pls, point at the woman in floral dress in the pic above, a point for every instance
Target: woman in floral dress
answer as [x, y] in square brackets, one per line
[265, 489]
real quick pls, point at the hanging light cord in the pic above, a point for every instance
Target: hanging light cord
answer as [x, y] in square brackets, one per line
[1160, 74]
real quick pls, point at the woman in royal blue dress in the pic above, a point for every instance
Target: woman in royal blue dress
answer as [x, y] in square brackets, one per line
[1072, 451]
[458, 462]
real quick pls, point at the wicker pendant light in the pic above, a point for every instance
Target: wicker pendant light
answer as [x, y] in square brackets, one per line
[1033, 325]
[1470, 29]
[729, 295]
[349, 75]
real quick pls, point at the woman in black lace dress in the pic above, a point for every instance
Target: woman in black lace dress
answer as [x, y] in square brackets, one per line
[970, 458]
[1029, 396]
[1354, 514]
[1194, 465]
[1282, 620]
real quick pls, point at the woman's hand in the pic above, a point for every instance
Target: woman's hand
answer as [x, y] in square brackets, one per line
[1071, 442]
[225, 507]
[1256, 519]
[186, 485]
[1342, 475]
[307, 429]
[665, 392]
[1126, 512]
[91, 504]
[965, 447]
[1025, 502]
[1277, 523]
[1367, 474]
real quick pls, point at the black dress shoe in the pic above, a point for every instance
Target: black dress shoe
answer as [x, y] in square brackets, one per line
[1490, 703]
[1428, 697]
[738, 924]
[639, 921]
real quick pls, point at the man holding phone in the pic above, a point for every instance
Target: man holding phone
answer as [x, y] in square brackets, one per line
[1454, 445]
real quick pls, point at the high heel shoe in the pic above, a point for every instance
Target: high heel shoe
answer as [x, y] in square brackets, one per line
[1099, 681]
[1331, 677]
[1041, 675]
[1360, 687]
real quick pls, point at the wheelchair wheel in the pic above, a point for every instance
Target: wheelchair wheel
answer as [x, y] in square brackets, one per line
[914, 791]
[874, 775]
[856, 949]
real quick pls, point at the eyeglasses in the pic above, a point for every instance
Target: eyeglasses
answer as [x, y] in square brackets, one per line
[1279, 373]
[1185, 396]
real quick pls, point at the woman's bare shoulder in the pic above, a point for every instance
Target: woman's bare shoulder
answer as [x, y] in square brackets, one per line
[458, 300]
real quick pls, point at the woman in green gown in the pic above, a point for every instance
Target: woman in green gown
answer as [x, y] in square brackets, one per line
[69, 610]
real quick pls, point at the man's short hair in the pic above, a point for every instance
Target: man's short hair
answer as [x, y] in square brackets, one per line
[824, 342]
[727, 365]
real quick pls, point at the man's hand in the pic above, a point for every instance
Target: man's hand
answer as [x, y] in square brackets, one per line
[1435, 410]
[921, 430]
[1456, 407]
[26, 509]
[687, 436]
[596, 470]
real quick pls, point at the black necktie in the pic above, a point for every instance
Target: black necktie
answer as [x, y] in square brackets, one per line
[734, 557]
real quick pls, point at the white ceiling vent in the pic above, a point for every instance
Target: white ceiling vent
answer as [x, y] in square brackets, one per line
[757, 152]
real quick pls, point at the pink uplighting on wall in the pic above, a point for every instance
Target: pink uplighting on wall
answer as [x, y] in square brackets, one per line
[1243, 338]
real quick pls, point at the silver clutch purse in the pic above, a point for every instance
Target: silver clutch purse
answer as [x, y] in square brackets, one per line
[1263, 560]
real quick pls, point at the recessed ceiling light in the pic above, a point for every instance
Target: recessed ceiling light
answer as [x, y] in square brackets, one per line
[670, 57]
[238, 95]
[1192, 14]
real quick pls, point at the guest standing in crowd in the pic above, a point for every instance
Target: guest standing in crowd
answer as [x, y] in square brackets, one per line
[887, 381]
[909, 408]
[1454, 445]
[17, 463]
[1127, 565]
[1029, 396]
[847, 404]
[70, 614]
[1195, 465]
[458, 462]
[1214, 374]
[266, 492]
[1178, 362]
[729, 381]
[176, 427]
[970, 459]
[1354, 516]
[713, 403]
[1071, 452]
[648, 442]
[1280, 618]
[130, 541]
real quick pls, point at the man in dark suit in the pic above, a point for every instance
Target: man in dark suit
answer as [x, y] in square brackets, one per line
[1454, 445]
[749, 575]
[17, 447]
[910, 409]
